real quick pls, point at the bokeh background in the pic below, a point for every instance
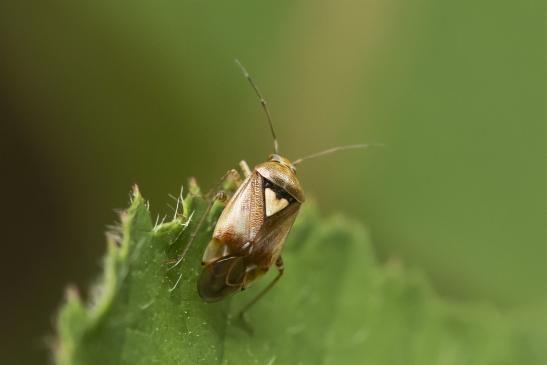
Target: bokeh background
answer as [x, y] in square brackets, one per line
[96, 96]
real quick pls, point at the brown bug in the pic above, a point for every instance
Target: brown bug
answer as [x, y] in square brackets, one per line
[251, 230]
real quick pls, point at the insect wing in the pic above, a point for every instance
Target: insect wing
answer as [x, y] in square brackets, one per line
[221, 278]
[271, 237]
[243, 216]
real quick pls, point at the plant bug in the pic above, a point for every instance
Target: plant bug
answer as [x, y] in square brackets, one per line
[249, 235]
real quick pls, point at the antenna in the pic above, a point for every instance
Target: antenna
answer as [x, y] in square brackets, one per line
[262, 102]
[336, 149]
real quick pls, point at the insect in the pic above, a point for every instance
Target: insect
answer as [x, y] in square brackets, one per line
[249, 235]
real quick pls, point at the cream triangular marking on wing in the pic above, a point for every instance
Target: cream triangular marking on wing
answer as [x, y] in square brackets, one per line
[273, 204]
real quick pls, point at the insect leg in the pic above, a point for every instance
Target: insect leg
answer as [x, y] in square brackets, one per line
[245, 168]
[218, 196]
[230, 173]
[280, 268]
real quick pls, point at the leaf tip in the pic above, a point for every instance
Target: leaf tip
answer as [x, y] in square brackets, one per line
[135, 193]
[193, 186]
[72, 294]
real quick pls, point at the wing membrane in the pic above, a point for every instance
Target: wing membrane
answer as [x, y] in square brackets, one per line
[221, 278]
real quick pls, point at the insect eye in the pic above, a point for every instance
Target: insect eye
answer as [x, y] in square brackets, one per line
[282, 160]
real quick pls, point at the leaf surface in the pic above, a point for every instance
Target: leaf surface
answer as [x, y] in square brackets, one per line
[334, 305]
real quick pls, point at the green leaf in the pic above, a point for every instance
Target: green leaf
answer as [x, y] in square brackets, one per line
[334, 305]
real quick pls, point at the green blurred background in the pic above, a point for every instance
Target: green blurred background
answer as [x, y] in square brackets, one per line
[96, 96]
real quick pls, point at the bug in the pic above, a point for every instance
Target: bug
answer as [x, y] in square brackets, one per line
[249, 235]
